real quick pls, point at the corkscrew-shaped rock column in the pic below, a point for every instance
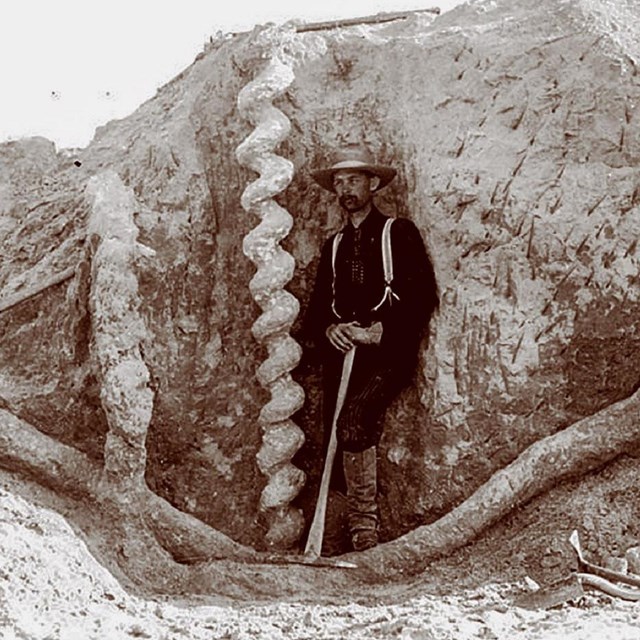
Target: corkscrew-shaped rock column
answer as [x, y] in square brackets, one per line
[118, 329]
[275, 267]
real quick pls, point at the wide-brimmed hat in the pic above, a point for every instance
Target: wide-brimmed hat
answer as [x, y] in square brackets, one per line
[353, 156]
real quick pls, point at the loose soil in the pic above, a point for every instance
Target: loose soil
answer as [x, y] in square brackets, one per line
[53, 587]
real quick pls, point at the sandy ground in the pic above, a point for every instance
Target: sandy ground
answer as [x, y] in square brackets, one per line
[52, 588]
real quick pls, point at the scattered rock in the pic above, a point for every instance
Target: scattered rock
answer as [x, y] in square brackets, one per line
[632, 557]
[621, 565]
[531, 584]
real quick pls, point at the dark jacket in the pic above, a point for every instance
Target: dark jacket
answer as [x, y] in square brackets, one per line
[360, 286]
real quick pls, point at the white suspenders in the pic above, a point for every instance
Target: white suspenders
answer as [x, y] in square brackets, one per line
[334, 253]
[387, 265]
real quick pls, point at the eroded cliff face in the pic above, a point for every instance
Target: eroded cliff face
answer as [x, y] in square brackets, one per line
[514, 129]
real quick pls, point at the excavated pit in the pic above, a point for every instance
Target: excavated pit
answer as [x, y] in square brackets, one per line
[514, 128]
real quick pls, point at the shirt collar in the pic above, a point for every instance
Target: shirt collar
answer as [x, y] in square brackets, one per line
[369, 223]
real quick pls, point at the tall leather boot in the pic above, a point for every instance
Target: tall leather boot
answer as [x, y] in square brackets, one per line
[362, 509]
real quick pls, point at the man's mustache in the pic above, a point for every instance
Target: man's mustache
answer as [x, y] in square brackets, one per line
[344, 200]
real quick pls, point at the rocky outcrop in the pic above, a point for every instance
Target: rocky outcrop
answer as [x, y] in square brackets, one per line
[513, 127]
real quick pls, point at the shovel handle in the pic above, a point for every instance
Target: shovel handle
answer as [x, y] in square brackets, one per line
[316, 532]
[602, 572]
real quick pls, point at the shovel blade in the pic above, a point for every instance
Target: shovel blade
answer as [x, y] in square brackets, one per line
[309, 560]
[556, 594]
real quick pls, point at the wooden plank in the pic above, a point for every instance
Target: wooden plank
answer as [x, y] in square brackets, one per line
[13, 299]
[378, 18]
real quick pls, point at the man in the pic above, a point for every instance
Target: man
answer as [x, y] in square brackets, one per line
[353, 306]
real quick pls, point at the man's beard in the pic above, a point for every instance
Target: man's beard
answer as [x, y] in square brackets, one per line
[351, 203]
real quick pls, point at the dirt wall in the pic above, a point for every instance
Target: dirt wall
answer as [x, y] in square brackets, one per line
[514, 130]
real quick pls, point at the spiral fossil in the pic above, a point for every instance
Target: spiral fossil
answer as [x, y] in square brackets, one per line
[281, 437]
[118, 328]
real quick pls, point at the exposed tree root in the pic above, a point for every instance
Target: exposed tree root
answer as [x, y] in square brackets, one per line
[580, 448]
[145, 520]
[62, 468]
[147, 543]
[68, 471]
[187, 538]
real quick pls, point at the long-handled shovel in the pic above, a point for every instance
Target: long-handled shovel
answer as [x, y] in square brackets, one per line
[313, 548]
[603, 572]
[571, 587]
[603, 578]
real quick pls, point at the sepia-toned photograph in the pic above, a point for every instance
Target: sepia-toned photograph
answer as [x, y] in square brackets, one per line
[320, 322]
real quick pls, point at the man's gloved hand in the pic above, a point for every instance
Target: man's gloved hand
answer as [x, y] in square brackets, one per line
[345, 335]
[370, 335]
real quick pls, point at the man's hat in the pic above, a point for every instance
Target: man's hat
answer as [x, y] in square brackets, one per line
[353, 156]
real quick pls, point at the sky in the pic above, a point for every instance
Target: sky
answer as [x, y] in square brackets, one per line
[68, 66]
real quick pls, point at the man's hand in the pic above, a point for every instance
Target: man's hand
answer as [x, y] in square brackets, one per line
[371, 335]
[340, 335]
[343, 336]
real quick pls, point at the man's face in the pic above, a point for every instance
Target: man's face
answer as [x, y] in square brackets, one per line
[354, 189]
